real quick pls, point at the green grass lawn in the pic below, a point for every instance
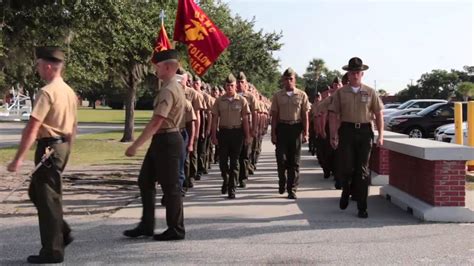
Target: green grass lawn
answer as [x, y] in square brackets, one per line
[101, 148]
[470, 186]
[102, 115]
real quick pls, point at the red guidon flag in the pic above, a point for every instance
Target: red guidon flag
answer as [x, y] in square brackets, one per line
[204, 40]
[162, 42]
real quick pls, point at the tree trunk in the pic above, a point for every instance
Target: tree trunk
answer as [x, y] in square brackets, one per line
[31, 93]
[91, 103]
[129, 109]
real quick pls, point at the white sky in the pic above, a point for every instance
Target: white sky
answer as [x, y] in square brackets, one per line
[399, 40]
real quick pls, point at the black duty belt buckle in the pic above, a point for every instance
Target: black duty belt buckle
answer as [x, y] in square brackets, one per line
[52, 140]
[357, 125]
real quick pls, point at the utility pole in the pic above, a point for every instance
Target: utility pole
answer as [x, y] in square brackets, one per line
[375, 84]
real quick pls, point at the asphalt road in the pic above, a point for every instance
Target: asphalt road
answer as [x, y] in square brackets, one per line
[258, 227]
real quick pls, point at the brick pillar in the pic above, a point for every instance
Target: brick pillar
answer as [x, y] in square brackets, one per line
[379, 160]
[439, 183]
[450, 183]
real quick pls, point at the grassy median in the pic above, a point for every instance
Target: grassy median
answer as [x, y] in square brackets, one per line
[470, 185]
[107, 115]
[100, 148]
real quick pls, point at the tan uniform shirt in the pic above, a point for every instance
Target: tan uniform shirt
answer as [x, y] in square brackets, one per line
[207, 100]
[290, 108]
[261, 107]
[56, 108]
[170, 103]
[251, 101]
[356, 107]
[212, 101]
[323, 105]
[266, 108]
[189, 115]
[200, 95]
[193, 97]
[230, 111]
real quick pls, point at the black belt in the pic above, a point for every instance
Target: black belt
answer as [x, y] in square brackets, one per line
[167, 130]
[289, 125]
[356, 125]
[230, 127]
[289, 122]
[52, 140]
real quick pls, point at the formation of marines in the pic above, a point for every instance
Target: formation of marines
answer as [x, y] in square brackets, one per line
[217, 125]
[195, 125]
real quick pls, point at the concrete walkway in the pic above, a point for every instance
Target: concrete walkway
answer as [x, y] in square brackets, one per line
[258, 227]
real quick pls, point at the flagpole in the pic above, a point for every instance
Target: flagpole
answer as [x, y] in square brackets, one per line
[162, 16]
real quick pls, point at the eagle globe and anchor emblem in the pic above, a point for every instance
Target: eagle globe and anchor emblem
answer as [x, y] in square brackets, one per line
[198, 32]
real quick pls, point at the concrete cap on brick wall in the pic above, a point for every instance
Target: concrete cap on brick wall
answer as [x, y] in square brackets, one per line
[429, 149]
[390, 135]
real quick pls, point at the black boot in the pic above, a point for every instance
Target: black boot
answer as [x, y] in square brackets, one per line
[67, 239]
[191, 182]
[344, 201]
[281, 188]
[363, 214]
[163, 201]
[292, 195]
[137, 231]
[327, 174]
[40, 259]
[168, 235]
[224, 188]
[231, 194]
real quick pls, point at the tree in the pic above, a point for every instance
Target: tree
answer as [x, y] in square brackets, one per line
[439, 84]
[129, 28]
[469, 70]
[318, 77]
[250, 51]
[89, 70]
[466, 89]
[3, 85]
[314, 70]
[327, 78]
[109, 43]
[27, 24]
[106, 41]
[312, 75]
[382, 92]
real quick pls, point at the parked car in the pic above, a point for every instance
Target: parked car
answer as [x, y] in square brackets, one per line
[409, 111]
[417, 103]
[440, 130]
[447, 133]
[391, 105]
[424, 123]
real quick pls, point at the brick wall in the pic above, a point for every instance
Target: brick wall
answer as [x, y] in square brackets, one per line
[379, 160]
[439, 183]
